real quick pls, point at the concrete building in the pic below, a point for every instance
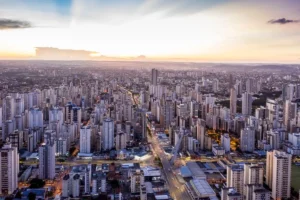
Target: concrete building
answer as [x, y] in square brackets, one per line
[47, 161]
[108, 134]
[278, 173]
[61, 146]
[85, 139]
[154, 76]
[121, 139]
[71, 186]
[247, 104]
[233, 100]
[230, 193]
[235, 177]
[9, 169]
[225, 142]
[136, 180]
[247, 140]
[35, 118]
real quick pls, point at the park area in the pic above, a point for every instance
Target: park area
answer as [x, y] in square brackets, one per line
[296, 177]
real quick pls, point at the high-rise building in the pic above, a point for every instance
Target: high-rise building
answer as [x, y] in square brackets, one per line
[261, 193]
[47, 160]
[253, 174]
[154, 76]
[278, 173]
[61, 146]
[19, 103]
[56, 115]
[137, 179]
[16, 139]
[35, 118]
[225, 142]
[233, 100]
[85, 139]
[121, 139]
[215, 85]
[247, 104]
[8, 108]
[168, 112]
[247, 140]
[108, 134]
[201, 133]
[9, 169]
[71, 185]
[290, 112]
[235, 177]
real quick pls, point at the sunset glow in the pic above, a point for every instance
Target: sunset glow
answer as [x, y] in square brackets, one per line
[160, 30]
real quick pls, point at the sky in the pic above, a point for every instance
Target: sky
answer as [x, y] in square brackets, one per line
[171, 30]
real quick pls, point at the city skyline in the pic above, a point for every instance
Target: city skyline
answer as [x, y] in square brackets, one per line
[198, 31]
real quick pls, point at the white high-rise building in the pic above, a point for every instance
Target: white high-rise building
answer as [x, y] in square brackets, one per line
[225, 142]
[235, 177]
[19, 103]
[108, 134]
[71, 185]
[253, 174]
[85, 139]
[233, 100]
[35, 118]
[61, 146]
[56, 115]
[9, 169]
[278, 173]
[247, 140]
[247, 104]
[47, 161]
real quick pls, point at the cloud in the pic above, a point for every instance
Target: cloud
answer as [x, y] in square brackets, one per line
[283, 21]
[13, 24]
[50, 53]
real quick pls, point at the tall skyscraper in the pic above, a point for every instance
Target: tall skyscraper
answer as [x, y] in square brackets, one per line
[247, 141]
[47, 160]
[233, 99]
[108, 134]
[121, 139]
[154, 76]
[56, 115]
[278, 173]
[8, 108]
[247, 104]
[168, 112]
[35, 118]
[85, 139]
[9, 169]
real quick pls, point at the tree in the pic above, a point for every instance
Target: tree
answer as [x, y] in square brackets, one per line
[71, 151]
[31, 196]
[37, 183]
[18, 195]
[50, 194]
